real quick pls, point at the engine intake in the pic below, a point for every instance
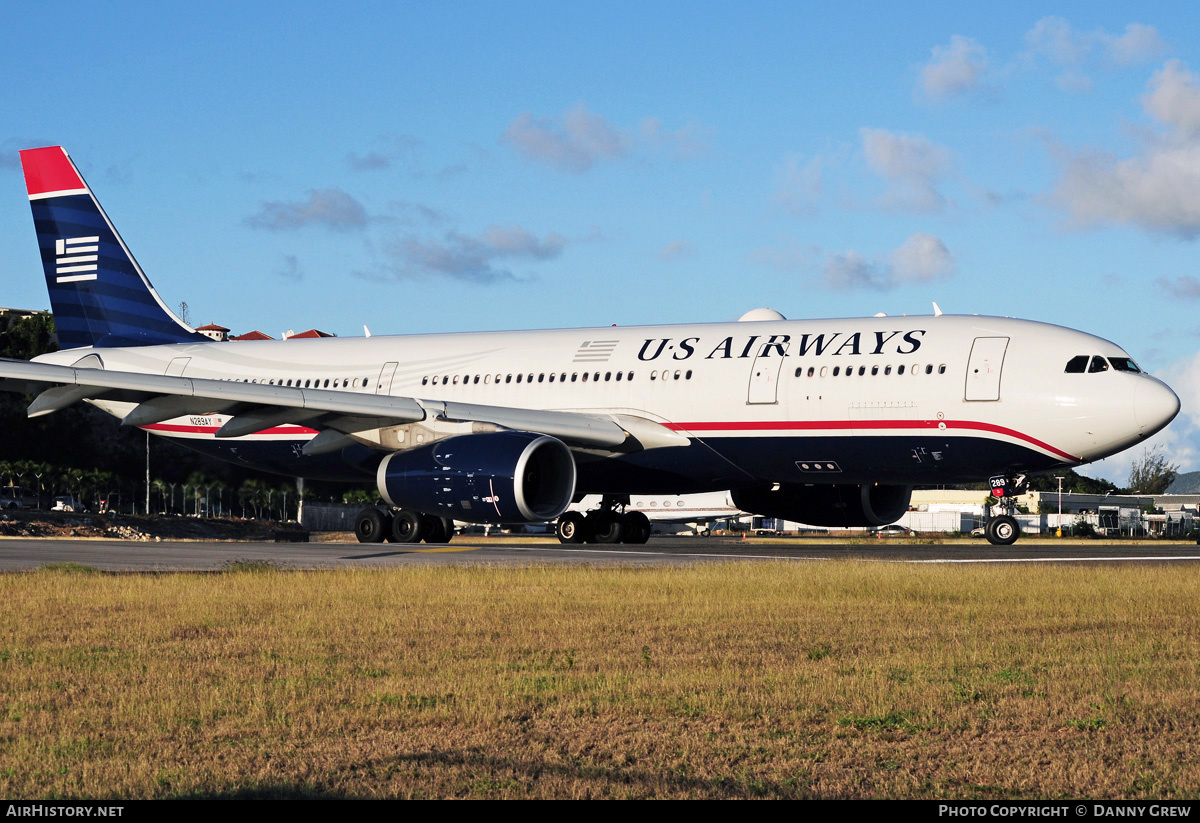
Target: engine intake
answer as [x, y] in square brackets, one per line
[842, 505]
[499, 477]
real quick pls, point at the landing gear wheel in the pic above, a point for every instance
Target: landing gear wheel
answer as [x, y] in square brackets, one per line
[1002, 531]
[406, 527]
[437, 529]
[635, 527]
[370, 526]
[605, 526]
[571, 528]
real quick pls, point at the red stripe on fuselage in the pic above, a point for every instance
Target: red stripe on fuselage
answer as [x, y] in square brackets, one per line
[845, 425]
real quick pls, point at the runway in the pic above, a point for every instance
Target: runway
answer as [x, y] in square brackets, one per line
[21, 554]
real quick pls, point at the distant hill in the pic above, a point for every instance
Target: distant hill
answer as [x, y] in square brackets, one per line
[1187, 483]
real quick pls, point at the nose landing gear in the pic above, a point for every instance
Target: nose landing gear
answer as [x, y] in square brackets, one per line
[1003, 530]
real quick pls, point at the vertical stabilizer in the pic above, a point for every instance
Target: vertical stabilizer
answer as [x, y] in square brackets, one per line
[98, 293]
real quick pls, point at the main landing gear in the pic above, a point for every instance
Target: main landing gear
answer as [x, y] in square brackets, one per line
[401, 526]
[607, 524]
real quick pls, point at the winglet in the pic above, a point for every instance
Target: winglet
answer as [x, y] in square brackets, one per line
[49, 172]
[937, 310]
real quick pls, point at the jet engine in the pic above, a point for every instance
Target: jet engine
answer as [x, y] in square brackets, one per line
[498, 477]
[842, 505]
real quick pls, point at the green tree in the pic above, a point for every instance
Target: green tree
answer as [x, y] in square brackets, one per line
[1151, 473]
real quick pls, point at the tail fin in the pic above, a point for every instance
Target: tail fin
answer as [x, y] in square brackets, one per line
[98, 293]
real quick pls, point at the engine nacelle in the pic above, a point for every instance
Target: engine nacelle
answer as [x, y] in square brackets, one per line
[843, 505]
[498, 477]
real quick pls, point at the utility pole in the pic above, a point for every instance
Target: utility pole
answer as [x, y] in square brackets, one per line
[1060, 480]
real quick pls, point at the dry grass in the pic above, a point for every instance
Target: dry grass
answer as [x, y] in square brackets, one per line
[731, 680]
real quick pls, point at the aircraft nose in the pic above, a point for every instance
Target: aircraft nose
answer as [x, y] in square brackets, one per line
[1154, 405]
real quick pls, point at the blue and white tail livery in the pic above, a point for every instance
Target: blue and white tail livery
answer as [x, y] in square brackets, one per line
[826, 422]
[98, 293]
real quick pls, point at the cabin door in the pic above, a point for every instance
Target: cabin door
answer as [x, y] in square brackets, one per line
[764, 374]
[983, 369]
[384, 384]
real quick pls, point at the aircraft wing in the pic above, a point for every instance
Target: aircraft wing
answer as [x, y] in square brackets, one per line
[257, 406]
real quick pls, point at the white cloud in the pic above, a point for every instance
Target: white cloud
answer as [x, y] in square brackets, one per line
[579, 139]
[458, 256]
[332, 208]
[1185, 287]
[801, 184]
[388, 148]
[911, 164]
[919, 259]
[676, 250]
[922, 258]
[1173, 98]
[1055, 39]
[1139, 43]
[1158, 190]
[573, 143]
[955, 69]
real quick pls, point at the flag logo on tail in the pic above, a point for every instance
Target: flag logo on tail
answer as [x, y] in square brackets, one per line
[76, 258]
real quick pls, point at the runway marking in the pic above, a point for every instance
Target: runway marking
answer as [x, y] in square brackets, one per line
[1056, 559]
[627, 553]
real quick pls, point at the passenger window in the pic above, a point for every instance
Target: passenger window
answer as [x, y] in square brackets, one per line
[1098, 365]
[942, 369]
[929, 369]
[887, 369]
[874, 370]
[862, 370]
[811, 371]
[900, 370]
[836, 369]
[1077, 365]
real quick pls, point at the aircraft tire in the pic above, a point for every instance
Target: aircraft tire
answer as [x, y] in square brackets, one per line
[407, 526]
[1003, 530]
[570, 528]
[635, 528]
[605, 527]
[437, 529]
[370, 526]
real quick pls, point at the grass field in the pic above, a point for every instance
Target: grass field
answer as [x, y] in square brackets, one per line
[722, 680]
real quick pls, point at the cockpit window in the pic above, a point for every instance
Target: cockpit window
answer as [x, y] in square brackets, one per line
[1098, 364]
[1124, 364]
[1077, 365]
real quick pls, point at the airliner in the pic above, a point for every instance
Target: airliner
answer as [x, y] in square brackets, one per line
[825, 422]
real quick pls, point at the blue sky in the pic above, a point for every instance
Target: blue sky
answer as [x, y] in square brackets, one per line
[460, 166]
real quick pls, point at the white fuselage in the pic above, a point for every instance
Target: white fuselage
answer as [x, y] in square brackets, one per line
[855, 399]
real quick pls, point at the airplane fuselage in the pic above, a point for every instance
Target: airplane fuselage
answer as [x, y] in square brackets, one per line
[862, 400]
